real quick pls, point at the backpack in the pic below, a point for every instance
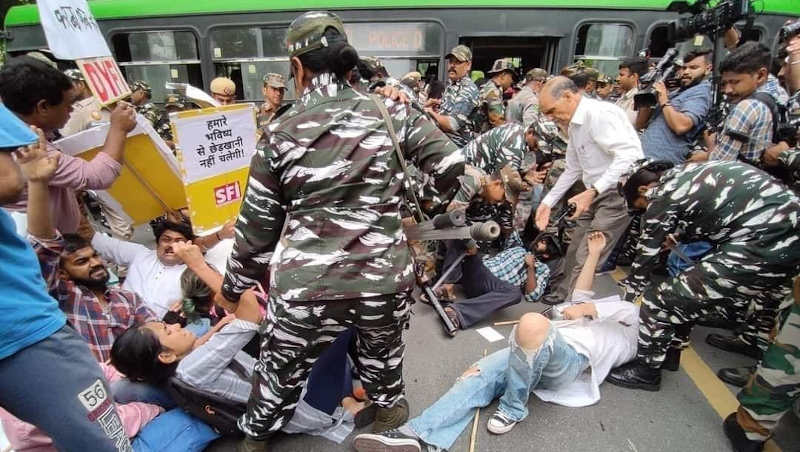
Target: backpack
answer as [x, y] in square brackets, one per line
[779, 117]
[220, 414]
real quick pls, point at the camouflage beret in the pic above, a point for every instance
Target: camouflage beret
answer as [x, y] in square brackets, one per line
[74, 74]
[307, 32]
[274, 80]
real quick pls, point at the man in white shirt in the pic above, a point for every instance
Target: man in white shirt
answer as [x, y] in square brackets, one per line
[153, 274]
[562, 362]
[628, 79]
[602, 147]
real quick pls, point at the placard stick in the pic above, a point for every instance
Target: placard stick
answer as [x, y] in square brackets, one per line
[474, 434]
[509, 322]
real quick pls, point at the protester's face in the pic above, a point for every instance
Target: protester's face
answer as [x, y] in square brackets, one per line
[540, 250]
[273, 95]
[559, 110]
[164, 251]
[54, 117]
[739, 86]
[694, 70]
[456, 69]
[625, 79]
[12, 182]
[224, 99]
[494, 192]
[85, 267]
[176, 341]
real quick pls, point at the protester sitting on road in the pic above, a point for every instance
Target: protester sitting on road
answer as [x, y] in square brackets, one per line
[43, 96]
[154, 352]
[562, 362]
[750, 219]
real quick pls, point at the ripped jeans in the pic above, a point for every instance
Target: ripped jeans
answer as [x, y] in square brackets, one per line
[511, 374]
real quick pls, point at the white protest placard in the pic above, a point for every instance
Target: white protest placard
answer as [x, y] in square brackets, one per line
[104, 78]
[71, 31]
[216, 145]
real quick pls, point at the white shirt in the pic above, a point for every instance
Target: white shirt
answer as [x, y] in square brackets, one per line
[602, 146]
[608, 341]
[158, 285]
[626, 103]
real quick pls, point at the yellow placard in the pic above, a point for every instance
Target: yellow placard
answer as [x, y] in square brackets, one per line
[216, 200]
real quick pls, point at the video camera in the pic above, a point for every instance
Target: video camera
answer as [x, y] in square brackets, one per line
[664, 70]
[705, 20]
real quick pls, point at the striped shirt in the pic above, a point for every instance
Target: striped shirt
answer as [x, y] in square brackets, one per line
[509, 265]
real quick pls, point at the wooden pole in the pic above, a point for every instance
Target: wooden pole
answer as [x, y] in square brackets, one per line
[474, 435]
[509, 322]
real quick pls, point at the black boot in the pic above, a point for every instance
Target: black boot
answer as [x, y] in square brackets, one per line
[673, 360]
[737, 376]
[733, 344]
[636, 375]
[740, 441]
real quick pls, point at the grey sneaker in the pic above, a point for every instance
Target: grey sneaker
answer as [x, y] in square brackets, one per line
[388, 441]
[500, 423]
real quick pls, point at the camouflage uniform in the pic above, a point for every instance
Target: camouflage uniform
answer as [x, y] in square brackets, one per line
[494, 149]
[751, 220]
[324, 195]
[459, 101]
[790, 159]
[158, 118]
[776, 385]
[490, 100]
[523, 108]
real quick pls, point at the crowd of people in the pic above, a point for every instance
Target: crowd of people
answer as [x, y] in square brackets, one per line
[291, 318]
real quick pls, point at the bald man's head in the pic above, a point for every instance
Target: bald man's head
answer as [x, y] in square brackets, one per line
[559, 99]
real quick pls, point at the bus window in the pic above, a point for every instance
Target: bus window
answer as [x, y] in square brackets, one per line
[402, 47]
[603, 45]
[246, 54]
[158, 57]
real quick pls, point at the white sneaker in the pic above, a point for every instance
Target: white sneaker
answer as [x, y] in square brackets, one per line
[499, 423]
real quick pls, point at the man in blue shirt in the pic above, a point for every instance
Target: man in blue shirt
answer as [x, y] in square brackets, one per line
[674, 124]
[48, 377]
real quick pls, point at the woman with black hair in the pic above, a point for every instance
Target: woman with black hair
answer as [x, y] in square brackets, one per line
[324, 194]
[752, 223]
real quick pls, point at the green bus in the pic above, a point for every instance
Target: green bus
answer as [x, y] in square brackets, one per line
[193, 41]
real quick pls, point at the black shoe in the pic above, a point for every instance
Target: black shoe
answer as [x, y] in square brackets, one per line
[719, 323]
[733, 344]
[635, 375]
[551, 299]
[673, 360]
[737, 376]
[388, 441]
[739, 441]
[366, 415]
[391, 418]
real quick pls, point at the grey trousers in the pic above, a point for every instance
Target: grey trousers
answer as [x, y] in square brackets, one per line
[608, 213]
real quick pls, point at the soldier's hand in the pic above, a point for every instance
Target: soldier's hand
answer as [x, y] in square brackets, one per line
[392, 93]
[535, 177]
[771, 154]
[542, 216]
[123, 117]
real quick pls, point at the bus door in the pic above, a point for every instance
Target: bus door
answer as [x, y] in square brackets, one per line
[525, 52]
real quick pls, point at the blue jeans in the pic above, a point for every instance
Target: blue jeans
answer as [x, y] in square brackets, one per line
[693, 250]
[511, 374]
[174, 431]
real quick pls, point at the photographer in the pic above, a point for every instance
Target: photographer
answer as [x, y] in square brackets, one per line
[748, 129]
[676, 121]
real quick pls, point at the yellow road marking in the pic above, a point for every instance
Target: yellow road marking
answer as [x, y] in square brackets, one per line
[713, 389]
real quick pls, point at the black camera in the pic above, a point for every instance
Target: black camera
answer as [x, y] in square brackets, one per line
[705, 21]
[789, 30]
[663, 71]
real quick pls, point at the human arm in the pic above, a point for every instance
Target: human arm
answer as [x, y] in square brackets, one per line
[123, 120]
[192, 256]
[38, 167]
[793, 76]
[209, 241]
[613, 134]
[259, 224]
[679, 122]
[572, 172]
[739, 130]
[536, 278]
[595, 243]
[118, 251]
[141, 312]
[444, 122]
[643, 117]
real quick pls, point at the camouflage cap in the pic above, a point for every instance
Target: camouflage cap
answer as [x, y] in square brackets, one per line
[274, 80]
[141, 85]
[223, 85]
[43, 58]
[461, 53]
[175, 100]
[74, 74]
[307, 32]
[536, 74]
[373, 64]
[512, 183]
[604, 79]
[503, 64]
[411, 79]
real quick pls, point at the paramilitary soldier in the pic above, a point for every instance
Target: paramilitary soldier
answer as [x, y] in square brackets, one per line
[491, 112]
[141, 98]
[324, 195]
[273, 90]
[460, 99]
[752, 222]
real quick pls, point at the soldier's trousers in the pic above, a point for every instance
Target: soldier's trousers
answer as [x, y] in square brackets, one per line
[296, 333]
[732, 275]
[775, 387]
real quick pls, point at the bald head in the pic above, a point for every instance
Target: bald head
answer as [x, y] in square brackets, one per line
[559, 99]
[557, 86]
